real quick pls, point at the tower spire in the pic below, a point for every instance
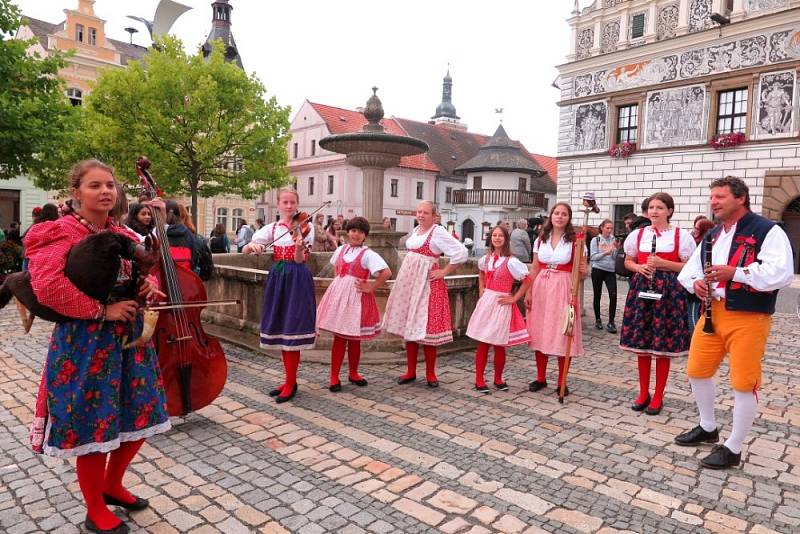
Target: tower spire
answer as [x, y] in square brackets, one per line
[446, 111]
[221, 29]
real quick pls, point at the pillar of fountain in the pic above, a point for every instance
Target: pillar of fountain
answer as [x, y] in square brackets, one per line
[373, 151]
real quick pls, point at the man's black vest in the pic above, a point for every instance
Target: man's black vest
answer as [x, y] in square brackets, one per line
[747, 240]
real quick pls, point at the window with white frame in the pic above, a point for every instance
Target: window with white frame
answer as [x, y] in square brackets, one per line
[222, 216]
[237, 216]
[75, 96]
[79, 33]
[92, 36]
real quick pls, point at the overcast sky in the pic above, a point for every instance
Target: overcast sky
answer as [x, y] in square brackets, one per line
[502, 53]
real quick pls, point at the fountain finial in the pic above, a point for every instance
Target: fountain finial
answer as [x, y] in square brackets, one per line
[373, 112]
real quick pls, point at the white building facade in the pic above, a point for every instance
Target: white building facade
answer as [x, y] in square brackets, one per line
[674, 80]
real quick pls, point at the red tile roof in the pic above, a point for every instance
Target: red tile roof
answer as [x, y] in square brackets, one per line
[449, 147]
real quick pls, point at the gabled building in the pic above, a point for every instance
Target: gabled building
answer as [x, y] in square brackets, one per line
[700, 89]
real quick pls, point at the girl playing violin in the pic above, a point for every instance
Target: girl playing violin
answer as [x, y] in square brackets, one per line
[288, 316]
[95, 397]
[348, 309]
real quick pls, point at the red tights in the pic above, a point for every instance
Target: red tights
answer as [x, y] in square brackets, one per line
[482, 358]
[95, 479]
[541, 367]
[412, 351]
[291, 362]
[662, 373]
[353, 348]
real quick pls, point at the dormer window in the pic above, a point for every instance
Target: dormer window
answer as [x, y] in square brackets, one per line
[79, 33]
[92, 36]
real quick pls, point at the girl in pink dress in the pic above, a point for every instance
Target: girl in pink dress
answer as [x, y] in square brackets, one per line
[418, 308]
[348, 309]
[551, 271]
[496, 320]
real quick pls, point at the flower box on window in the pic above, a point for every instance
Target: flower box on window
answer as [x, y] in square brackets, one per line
[727, 140]
[622, 150]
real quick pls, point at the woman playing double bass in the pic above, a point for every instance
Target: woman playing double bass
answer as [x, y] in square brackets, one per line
[95, 398]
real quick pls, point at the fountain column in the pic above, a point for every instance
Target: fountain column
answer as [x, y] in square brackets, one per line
[373, 167]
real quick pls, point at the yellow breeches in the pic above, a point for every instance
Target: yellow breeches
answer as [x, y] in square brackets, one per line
[742, 335]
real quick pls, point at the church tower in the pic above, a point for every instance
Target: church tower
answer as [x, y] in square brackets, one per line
[221, 29]
[446, 111]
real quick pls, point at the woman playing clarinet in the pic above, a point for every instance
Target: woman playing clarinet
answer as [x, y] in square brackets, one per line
[95, 397]
[418, 308]
[655, 323]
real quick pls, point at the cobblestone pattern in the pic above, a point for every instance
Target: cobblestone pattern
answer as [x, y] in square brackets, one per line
[389, 458]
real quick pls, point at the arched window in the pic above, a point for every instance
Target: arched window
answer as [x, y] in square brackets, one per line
[236, 218]
[75, 96]
[222, 216]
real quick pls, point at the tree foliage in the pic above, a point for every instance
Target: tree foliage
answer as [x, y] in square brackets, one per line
[206, 125]
[36, 118]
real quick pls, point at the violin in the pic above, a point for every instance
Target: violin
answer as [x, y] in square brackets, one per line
[193, 365]
[301, 221]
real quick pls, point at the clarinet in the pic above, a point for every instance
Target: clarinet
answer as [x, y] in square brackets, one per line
[653, 278]
[708, 328]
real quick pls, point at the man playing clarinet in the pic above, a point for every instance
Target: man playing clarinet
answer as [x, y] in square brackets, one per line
[751, 261]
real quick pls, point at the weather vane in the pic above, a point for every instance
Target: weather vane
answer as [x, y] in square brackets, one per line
[499, 111]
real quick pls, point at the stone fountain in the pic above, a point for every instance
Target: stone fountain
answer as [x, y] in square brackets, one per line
[373, 151]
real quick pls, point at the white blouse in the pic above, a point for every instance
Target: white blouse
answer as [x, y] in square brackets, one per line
[371, 260]
[546, 254]
[267, 233]
[664, 242]
[491, 263]
[441, 243]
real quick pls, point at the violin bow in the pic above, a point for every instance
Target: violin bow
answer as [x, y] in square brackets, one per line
[589, 206]
[296, 225]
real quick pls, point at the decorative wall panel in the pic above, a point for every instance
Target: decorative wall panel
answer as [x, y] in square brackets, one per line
[699, 13]
[591, 127]
[610, 37]
[762, 5]
[776, 102]
[752, 51]
[585, 43]
[675, 117]
[667, 21]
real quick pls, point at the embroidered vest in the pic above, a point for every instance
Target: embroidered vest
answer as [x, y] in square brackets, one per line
[745, 247]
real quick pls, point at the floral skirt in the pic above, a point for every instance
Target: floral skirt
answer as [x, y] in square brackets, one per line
[98, 394]
[657, 327]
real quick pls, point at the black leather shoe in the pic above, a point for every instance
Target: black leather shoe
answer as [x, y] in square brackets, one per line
[558, 391]
[501, 387]
[122, 528]
[721, 457]
[275, 392]
[598, 324]
[137, 504]
[291, 395]
[637, 407]
[333, 388]
[536, 385]
[697, 436]
[360, 383]
[654, 411]
[612, 328]
[482, 389]
[408, 380]
[433, 383]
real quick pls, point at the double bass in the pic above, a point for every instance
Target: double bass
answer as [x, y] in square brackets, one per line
[193, 364]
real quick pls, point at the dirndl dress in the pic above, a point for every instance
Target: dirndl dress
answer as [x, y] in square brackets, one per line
[95, 394]
[343, 310]
[418, 309]
[657, 327]
[288, 317]
[493, 323]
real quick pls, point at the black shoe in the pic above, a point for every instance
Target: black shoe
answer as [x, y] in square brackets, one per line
[122, 528]
[275, 392]
[501, 387]
[654, 411]
[291, 395]
[637, 407]
[360, 383]
[598, 324]
[333, 388]
[611, 327]
[721, 457]
[697, 436]
[433, 383]
[558, 391]
[482, 389]
[408, 380]
[536, 385]
[137, 504]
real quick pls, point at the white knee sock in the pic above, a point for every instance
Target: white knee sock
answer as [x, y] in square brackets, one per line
[745, 407]
[703, 390]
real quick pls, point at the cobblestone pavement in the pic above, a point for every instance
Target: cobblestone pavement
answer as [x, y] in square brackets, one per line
[389, 458]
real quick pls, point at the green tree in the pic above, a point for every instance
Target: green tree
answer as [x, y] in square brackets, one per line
[36, 119]
[206, 125]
